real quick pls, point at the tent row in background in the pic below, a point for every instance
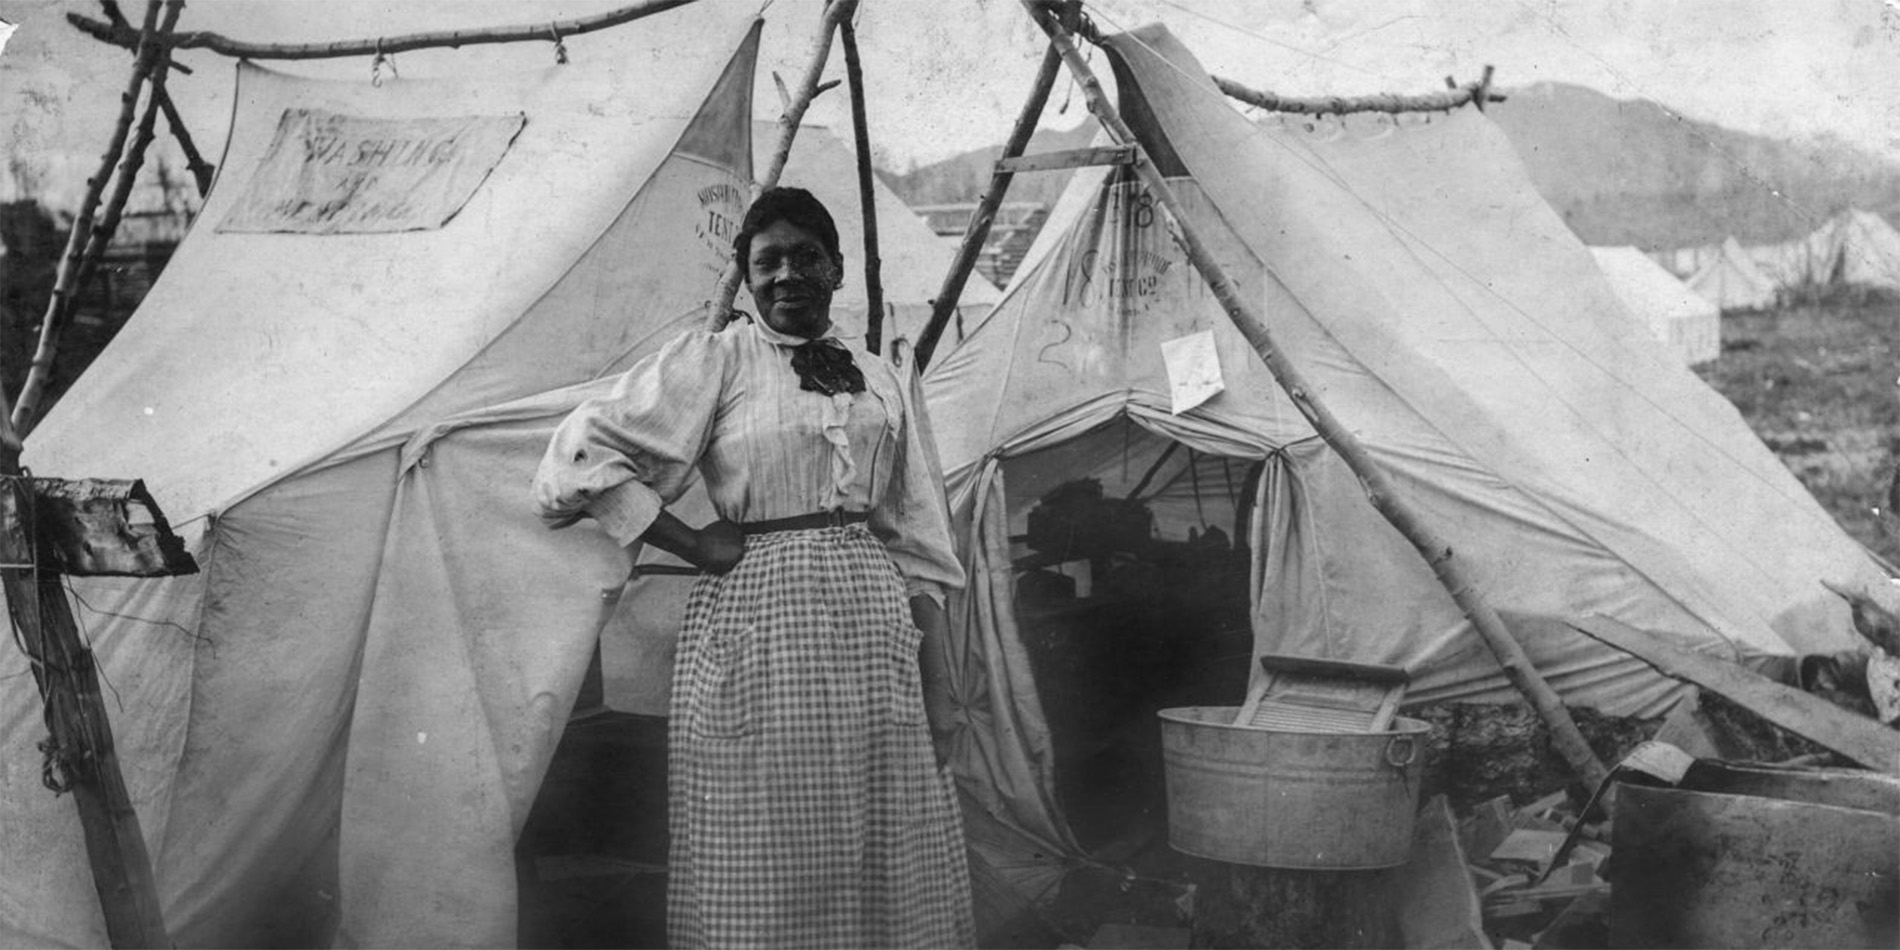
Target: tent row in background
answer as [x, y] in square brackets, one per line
[1855, 250]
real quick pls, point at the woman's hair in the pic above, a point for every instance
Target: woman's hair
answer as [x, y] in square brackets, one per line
[795, 206]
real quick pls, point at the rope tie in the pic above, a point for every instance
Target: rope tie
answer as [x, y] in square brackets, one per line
[376, 65]
[56, 771]
[560, 47]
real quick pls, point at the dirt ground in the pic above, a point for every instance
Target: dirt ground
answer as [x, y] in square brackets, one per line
[1820, 383]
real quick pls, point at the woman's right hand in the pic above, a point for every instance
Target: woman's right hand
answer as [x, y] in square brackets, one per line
[718, 547]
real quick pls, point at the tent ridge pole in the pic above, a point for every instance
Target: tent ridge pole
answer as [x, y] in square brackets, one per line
[978, 230]
[1380, 490]
[1478, 93]
[217, 43]
[719, 311]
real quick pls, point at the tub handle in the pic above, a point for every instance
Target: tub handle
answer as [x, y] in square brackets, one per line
[1400, 751]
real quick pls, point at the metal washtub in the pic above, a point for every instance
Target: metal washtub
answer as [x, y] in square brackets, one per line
[1285, 799]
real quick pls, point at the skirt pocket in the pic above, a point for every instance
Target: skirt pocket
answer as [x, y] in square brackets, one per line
[729, 685]
[899, 684]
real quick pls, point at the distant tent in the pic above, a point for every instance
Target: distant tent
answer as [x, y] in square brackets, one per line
[1859, 249]
[1731, 281]
[1688, 325]
[1457, 326]
[1855, 248]
[334, 732]
[912, 258]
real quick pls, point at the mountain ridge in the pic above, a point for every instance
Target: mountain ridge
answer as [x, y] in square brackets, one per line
[1670, 181]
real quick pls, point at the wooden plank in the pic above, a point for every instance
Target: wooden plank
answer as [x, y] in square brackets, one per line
[1811, 717]
[1068, 158]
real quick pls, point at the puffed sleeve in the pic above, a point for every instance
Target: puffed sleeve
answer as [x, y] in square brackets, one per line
[913, 519]
[622, 457]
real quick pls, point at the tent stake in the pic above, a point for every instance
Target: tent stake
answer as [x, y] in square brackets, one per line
[867, 197]
[1379, 488]
[837, 11]
[83, 243]
[543, 32]
[978, 230]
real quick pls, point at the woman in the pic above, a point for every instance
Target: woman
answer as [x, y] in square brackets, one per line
[808, 808]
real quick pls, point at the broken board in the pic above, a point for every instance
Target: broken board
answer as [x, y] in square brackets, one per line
[1811, 717]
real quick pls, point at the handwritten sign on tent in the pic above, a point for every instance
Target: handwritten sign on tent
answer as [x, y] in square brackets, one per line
[328, 173]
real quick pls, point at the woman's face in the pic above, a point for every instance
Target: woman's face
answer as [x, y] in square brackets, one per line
[792, 276]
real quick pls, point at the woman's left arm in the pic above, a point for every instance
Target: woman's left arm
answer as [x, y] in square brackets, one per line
[913, 521]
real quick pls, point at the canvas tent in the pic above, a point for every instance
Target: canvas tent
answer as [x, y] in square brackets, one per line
[912, 258]
[1852, 249]
[1688, 326]
[336, 729]
[1458, 328]
[1731, 281]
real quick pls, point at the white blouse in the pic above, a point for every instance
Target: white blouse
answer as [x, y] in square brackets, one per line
[730, 404]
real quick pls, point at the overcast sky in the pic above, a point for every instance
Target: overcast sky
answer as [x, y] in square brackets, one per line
[948, 75]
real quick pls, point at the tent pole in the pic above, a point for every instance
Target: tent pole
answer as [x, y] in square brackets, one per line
[545, 31]
[867, 197]
[978, 229]
[719, 313]
[86, 241]
[1378, 486]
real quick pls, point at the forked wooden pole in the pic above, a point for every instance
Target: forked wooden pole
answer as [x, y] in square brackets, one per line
[66, 284]
[867, 195]
[978, 230]
[836, 12]
[201, 170]
[1379, 488]
[550, 31]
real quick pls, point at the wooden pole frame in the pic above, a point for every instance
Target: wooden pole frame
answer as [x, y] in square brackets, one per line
[80, 240]
[719, 312]
[201, 170]
[867, 192]
[978, 230]
[551, 32]
[1379, 488]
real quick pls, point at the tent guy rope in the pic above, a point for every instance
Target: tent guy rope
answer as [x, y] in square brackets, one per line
[1379, 488]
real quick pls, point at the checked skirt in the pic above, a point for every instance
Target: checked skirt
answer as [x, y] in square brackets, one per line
[807, 808]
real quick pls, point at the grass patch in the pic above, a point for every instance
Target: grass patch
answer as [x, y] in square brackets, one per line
[1820, 383]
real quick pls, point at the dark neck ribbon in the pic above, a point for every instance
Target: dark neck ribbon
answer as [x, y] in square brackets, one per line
[825, 367]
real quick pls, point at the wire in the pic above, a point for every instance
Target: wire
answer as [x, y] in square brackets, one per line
[98, 668]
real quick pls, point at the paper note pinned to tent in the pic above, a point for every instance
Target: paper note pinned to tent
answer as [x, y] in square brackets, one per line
[1193, 370]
